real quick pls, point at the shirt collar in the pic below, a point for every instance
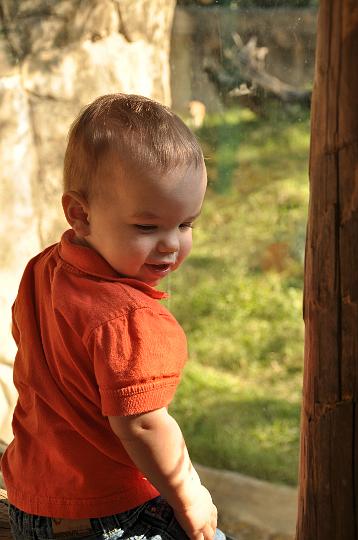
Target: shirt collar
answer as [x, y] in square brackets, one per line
[90, 262]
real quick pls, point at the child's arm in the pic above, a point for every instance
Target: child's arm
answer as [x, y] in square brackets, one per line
[155, 443]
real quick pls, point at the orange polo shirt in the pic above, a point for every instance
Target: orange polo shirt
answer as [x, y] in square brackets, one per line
[90, 344]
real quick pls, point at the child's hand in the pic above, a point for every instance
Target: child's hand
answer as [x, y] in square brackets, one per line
[199, 519]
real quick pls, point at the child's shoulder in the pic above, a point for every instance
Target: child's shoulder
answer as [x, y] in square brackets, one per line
[90, 302]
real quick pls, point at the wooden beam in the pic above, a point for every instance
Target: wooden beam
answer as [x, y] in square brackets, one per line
[328, 493]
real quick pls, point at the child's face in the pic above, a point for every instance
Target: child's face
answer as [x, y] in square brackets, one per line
[142, 226]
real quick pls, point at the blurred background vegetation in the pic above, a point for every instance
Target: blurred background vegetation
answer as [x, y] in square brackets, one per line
[251, 3]
[239, 296]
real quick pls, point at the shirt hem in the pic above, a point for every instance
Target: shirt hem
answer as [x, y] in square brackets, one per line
[95, 507]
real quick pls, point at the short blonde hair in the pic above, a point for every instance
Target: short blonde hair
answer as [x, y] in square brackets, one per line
[136, 130]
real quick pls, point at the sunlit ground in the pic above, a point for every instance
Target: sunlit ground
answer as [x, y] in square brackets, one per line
[239, 296]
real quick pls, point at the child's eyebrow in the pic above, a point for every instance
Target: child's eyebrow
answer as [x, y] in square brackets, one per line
[194, 217]
[142, 215]
[150, 215]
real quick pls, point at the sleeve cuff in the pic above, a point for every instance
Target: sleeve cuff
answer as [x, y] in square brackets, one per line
[138, 399]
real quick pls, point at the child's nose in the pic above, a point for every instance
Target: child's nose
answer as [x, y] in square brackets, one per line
[168, 244]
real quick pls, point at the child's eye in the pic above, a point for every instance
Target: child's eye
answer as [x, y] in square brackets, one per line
[186, 225]
[145, 228]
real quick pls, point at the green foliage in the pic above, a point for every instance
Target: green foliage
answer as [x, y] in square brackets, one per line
[239, 296]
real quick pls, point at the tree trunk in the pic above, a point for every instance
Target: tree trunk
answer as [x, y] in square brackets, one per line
[328, 498]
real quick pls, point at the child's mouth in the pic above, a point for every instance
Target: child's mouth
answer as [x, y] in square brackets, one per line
[159, 269]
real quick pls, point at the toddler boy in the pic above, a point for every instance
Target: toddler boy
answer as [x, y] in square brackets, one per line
[95, 452]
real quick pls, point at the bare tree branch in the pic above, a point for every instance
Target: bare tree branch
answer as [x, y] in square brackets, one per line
[243, 73]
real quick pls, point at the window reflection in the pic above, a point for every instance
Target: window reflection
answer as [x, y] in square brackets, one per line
[242, 77]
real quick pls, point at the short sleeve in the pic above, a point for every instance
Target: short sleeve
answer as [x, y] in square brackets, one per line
[138, 359]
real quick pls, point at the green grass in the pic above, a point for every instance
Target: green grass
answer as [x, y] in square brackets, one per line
[239, 297]
[233, 423]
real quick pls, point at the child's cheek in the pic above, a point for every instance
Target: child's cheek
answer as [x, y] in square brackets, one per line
[186, 248]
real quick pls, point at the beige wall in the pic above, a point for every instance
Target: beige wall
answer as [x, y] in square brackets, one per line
[54, 58]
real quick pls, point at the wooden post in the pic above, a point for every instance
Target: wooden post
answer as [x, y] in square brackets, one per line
[328, 496]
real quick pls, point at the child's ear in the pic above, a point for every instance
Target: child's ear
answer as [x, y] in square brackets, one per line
[76, 211]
